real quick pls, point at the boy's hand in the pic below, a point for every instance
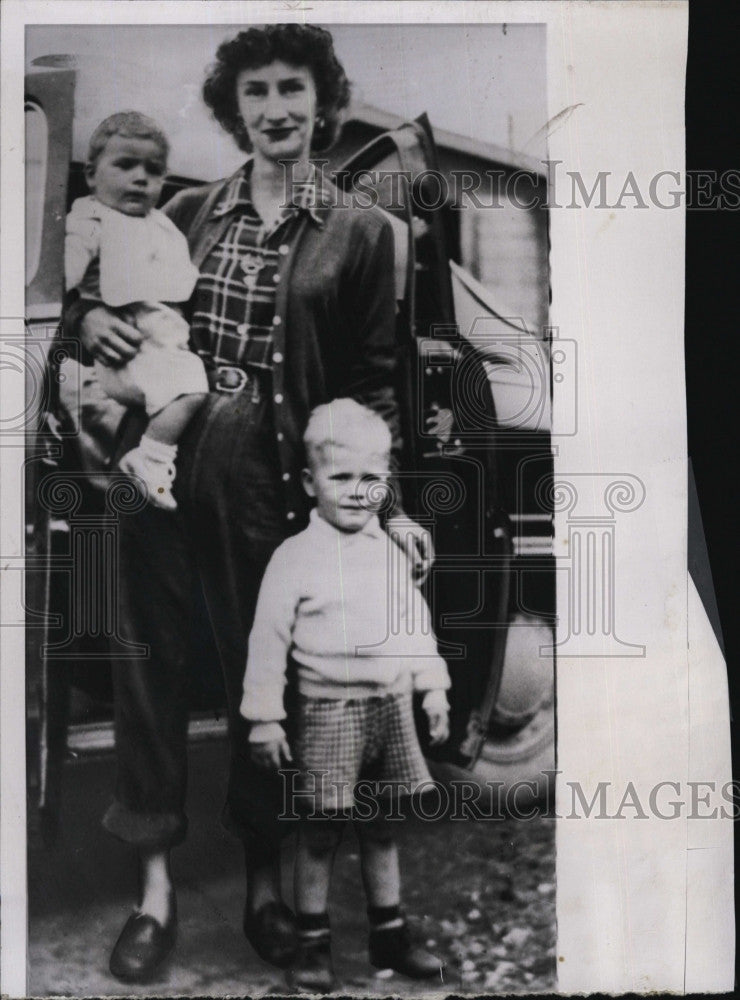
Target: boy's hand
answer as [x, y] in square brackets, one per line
[438, 713]
[271, 755]
[439, 726]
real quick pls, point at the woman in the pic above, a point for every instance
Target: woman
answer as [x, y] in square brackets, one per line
[294, 306]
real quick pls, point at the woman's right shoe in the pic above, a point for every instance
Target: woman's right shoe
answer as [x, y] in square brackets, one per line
[271, 931]
[312, 970]
[142, 947]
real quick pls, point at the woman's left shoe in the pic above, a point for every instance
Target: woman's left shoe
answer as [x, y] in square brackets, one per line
[391, 947]
[142, 947]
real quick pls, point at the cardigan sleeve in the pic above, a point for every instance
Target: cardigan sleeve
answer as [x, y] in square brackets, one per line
[428, 669]
[270, 640]
[370, 377]
[371, 292]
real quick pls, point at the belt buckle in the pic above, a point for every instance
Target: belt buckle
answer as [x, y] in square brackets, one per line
[230, 371]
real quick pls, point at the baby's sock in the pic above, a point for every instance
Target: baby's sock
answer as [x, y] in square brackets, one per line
[158, 451]
[153, 462]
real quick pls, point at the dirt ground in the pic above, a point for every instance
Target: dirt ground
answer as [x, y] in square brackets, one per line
[481, 893]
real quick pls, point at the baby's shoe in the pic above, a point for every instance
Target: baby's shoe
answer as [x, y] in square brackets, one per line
[154, 463]
[391, 947]
[312, 970]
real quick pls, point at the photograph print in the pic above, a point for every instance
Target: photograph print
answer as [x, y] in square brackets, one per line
[290, 580]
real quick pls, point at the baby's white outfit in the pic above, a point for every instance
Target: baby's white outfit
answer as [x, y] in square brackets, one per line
[136, 265]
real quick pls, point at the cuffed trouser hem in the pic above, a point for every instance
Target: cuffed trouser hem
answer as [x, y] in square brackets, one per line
[145, 830]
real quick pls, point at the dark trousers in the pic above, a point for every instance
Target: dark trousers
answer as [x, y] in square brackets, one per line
[191, 576]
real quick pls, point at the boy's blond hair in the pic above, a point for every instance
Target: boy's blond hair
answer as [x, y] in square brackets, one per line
[345, 423]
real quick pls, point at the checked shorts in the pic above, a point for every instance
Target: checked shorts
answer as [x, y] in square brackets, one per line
[340, 743]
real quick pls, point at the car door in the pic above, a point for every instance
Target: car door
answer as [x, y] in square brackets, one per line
[451, 435]
[48, 112]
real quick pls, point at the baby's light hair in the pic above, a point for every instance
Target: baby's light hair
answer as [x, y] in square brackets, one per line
[345, 423]
[129, 125]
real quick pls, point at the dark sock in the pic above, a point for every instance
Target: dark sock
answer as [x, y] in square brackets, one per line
[312, 921]
[383, 914]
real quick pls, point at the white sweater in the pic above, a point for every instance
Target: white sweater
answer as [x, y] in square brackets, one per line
[345, 607]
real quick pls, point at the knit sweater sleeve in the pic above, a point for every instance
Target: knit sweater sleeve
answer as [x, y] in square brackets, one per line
[433, 675]
[429, 668]
[271, 638]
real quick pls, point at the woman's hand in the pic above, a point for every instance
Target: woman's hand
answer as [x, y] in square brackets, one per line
[415, 541]
[271, 755]
[108, 338]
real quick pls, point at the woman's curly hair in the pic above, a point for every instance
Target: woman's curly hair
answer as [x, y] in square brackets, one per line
[295, 44]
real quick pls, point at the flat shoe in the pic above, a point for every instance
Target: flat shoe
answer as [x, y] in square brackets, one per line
[312, 970]
[271, 931]
[142, 947]
[392, 947]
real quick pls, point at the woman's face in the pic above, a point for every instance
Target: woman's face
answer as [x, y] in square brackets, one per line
[278, 107]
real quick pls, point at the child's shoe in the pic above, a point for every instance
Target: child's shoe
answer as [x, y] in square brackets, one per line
[154, 463]
[271, 932]
[391, 947]
[312, 970]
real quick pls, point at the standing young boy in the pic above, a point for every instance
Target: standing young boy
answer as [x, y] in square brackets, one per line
[339, 601]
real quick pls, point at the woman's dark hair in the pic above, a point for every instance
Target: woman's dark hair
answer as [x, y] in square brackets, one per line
[295, 44]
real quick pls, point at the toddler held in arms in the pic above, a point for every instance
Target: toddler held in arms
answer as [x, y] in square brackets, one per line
[122, 252]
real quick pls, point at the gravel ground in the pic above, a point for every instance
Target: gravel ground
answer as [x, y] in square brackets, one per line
[481, 893]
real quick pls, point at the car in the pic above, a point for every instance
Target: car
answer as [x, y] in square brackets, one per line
[474, 388]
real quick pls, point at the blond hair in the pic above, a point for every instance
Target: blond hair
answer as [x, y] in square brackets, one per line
[345, 423]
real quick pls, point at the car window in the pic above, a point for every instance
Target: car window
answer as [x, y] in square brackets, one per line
[37, 152]
[504, 246]
[385, 181]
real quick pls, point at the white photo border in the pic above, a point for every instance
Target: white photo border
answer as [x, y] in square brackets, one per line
[615, 103]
